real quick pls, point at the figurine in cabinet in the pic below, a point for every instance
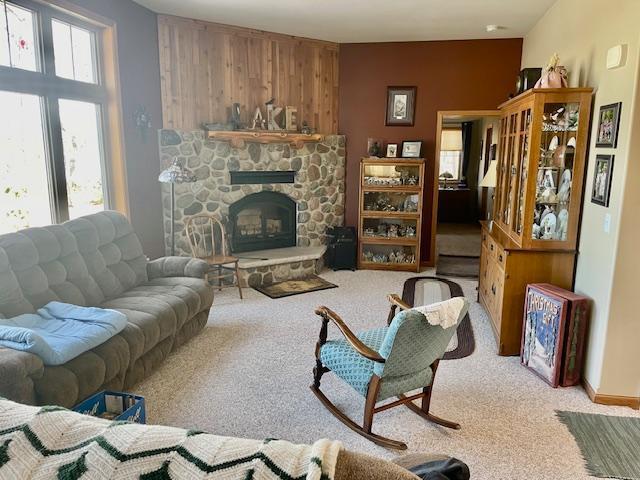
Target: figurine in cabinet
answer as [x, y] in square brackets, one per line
[564, 192]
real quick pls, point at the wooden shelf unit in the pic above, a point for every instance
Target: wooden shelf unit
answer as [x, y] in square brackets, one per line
[238, 138]
[520, 247]
[396, 167]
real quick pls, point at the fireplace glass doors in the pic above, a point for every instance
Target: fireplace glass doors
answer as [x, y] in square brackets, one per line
[261, 221]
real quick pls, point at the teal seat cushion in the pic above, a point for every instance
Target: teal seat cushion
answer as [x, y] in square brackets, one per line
[341, 358]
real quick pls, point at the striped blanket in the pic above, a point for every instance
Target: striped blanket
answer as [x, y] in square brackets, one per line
[54, 443]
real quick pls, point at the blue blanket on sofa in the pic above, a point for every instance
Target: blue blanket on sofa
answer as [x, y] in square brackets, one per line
[59, 332]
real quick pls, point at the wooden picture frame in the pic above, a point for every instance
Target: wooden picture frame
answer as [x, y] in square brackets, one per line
[392, 150]
[608, 125]
[401, 106]
[411, 149]
[602, 176]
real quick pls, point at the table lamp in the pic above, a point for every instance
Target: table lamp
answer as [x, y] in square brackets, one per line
[490, 180]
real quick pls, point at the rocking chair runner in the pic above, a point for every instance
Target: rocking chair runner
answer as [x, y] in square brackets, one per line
[386, 362]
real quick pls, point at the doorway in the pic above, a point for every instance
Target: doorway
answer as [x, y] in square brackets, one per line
[466, 143]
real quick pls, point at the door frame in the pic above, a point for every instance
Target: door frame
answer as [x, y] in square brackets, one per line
[441, 115]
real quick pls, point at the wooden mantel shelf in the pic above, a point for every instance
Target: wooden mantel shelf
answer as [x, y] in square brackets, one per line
[239, 137]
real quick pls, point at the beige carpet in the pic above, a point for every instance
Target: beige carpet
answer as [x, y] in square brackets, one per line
[248, 373]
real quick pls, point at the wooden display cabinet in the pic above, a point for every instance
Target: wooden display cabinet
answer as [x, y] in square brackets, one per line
[538, 199]
[390, 213]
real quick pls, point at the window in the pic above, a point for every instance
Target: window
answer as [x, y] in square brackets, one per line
[52, 117]
[450, 154]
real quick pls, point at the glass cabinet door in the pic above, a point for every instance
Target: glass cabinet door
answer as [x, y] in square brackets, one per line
[555, 171]
[501, 171]
[524, 132]
[510, 173]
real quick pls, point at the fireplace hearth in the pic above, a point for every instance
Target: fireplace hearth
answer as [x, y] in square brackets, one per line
[262, 221]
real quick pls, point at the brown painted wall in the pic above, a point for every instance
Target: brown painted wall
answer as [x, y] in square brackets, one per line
[450, 75]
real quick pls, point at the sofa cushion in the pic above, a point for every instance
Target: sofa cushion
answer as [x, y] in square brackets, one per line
[184, 286]
[67, 384]
[40, 265]
[161, 307]
[111, 250]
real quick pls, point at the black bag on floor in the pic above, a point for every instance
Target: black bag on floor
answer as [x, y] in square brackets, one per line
[435, 467]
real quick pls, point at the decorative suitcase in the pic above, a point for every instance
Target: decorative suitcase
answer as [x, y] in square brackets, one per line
[554, 333]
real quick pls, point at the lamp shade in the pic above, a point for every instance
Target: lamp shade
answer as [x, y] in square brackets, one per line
[491, 177]
[176, 173]
[451, 139]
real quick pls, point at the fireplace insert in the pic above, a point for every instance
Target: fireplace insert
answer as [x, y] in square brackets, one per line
[262, 220]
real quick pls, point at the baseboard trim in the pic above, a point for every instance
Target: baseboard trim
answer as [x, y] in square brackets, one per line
[616, 400]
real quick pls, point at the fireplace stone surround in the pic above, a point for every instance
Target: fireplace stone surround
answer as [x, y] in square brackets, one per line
[318, 189]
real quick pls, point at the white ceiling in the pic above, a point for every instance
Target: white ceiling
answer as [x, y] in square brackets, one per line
[346, 21]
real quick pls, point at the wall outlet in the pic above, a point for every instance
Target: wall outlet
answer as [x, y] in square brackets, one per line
[607, 223]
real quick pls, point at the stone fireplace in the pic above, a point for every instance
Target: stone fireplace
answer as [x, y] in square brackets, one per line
[268, 196]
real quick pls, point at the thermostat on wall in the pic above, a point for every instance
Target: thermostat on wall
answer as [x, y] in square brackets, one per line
[616, 57]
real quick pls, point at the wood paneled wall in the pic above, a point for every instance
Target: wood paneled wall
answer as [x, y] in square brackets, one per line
[205, 67]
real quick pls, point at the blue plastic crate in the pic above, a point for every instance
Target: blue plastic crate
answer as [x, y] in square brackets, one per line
[126, 406]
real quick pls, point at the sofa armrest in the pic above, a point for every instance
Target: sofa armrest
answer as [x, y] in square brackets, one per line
[177, 267]
[18, 370]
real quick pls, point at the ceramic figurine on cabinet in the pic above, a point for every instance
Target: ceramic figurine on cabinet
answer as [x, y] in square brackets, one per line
[564, 192]
[393, 231]
[554, 75]
[563, 225]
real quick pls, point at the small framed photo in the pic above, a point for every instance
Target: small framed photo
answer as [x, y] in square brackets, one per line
[401, 103]
[411, 149]
[601, 188]
[608, 125]
[392, 150]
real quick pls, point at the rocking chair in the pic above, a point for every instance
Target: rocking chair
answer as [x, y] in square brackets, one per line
[386, 362]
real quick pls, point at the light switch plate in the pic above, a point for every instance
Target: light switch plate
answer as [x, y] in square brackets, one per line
[616, 57]
[607, 223]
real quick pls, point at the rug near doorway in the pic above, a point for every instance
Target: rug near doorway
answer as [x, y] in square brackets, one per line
[426, 290]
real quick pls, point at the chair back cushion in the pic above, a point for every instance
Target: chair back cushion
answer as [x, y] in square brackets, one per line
[412, 344]
[82, 262]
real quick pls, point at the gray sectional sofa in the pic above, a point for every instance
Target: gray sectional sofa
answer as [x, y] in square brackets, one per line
[97, 260]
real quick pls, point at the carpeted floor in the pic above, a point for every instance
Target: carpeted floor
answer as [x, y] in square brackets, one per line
[248, 373]
[458, 239]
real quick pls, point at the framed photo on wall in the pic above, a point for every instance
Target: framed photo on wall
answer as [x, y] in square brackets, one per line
[411, 149]
[401, 106]
[608, 125]
[601, 188]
